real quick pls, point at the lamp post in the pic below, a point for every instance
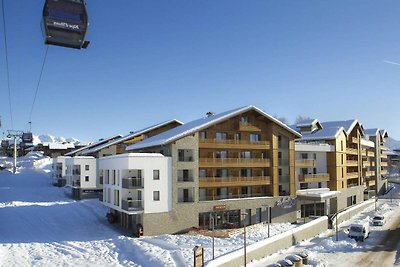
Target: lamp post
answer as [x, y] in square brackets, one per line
[244, 214]
[212, 231]
[268, 212]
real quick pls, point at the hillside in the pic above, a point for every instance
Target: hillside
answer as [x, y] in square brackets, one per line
[392, 143]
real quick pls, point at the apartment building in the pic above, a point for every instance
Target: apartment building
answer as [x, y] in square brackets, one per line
[379, 160]
[118, 145]
[340, 143]
[230, 167]
[81, 177]
[59, 171]
[136, 186]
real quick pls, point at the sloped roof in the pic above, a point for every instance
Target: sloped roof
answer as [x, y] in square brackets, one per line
[53, 145]
[384, 133]
[129, 136]
[323, 134]
[102, 141]
[307, 122]
[372, 131]
[199, 124]
[348, 125]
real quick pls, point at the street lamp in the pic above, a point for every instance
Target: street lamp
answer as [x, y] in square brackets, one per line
[244, 214]
[212, 231]
[268, 215]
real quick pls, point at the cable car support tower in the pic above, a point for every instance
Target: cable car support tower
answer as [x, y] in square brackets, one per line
[15, 134]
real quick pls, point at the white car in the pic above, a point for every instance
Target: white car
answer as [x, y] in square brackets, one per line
[379, 220]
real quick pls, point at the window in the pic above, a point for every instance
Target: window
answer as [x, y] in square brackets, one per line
[116, 197]
[255, 137]
[221, 136]
[341, 145]
[303, 186]
[221, 154]
[315, 170]
[245, 172]
[202, 173]
[107, 176]
[113, 177]
[244, 120]
[315, 156]
[156, 195]
[86, 167]
[221, 173]
[304, 171]
[86, 178]
[156, 174]
[319, 185]
[238, 136]
[203, 135]
[279, 171]
[304, 156]
[342, 158]
[245, 154]
[185, 155]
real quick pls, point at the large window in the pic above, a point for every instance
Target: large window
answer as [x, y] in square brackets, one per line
[245, 154]
[221, 173]
[255, 137]
[221, 154]
[185, 155]
[221, 136]
[244, 120]
[203, 135]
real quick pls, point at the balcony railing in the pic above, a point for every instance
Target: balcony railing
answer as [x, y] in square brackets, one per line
[245, 126]
[229, 143]
[354, 140]
[76, 183]
[383, 156]
[132, 205]
[370, 183]
[185, 179]
[234, 181]
[351, 175]
[352, 151]
[185, 199]
[229, 196]
[352, 163]
[234, 162]
[370, 153]
[314, 178]
[369, 173]
[305, 163]
[132, 183]
[384, 171]
[384, 164]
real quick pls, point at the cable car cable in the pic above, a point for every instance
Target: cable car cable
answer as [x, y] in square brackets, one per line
[7, 64]
[38, 84]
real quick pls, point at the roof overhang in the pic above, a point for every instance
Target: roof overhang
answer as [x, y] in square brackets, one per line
[318, 194]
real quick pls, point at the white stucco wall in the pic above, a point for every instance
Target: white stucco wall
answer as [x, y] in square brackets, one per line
[146, 162]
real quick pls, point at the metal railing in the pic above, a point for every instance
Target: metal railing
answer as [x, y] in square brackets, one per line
[132, 182]
[132, 205]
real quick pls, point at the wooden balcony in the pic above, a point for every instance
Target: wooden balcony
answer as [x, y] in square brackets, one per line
[384, 164]
[370, 183]
[383, 172]
[234, 181]
[233, 144]
[314, 178]
[352, 175]
[366, 164]
[383, 156]
[352, 163]
[233, 162]
[304, 163]
[370, 153]
[351, 151]
[248, 127]
[369, 173]
[354, 140]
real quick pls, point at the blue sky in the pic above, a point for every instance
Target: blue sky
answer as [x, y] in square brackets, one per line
[151, 61]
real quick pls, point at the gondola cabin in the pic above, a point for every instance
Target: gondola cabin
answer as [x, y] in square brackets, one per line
[65, 23]
[27, 138]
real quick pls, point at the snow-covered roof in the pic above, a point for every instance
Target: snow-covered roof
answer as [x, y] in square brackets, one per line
[372, 131]
[199, 124]
[316, 194]
[326, 133]
[130, 136]
[307, 122]
[383, 133]
[348, 125]
[102, 141]
[54, 146]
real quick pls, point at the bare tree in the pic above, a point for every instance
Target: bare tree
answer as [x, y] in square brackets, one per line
[282, 119]
[301, 118]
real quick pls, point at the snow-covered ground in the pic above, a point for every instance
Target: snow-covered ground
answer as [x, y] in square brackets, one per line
[41, 226]
[324, 250]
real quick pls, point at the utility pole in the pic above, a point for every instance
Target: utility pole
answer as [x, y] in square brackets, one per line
[14, 134]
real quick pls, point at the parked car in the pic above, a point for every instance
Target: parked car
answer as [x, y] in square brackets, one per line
[379, 220]
[285, 263]
[359, 231]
